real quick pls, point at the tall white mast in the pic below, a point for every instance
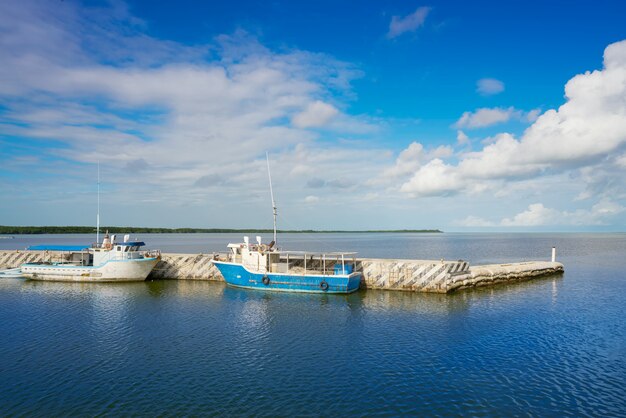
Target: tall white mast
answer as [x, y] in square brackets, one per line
[98, 215]
[267, 157]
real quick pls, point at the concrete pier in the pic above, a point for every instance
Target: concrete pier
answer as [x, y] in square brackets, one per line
[436, 276]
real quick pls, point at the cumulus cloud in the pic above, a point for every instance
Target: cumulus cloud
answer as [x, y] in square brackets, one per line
[489, 86]
[434, 179]
[486, 117]
[316, 115]
[407, 162]
[538, 215]
[532, 115]
[584, 132]
[409, 23]
[83, 82]
[177, 128]
[462, 138]
[411, 159]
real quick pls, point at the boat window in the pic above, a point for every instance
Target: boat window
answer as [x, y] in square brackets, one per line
[118, 248]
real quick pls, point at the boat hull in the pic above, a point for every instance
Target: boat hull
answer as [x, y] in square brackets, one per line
[238, 276]
[15, 273]
[111, 271]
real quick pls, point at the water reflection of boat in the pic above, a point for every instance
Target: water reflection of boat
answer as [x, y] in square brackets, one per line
[6, 237]
[108, 262]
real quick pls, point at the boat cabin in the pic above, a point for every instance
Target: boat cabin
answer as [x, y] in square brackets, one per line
[255, 257]
[111, 250]
[262, 258]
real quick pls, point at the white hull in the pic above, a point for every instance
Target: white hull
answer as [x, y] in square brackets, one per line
[14, 273]
[111, 271]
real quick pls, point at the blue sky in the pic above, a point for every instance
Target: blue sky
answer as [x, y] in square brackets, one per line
[461, 116]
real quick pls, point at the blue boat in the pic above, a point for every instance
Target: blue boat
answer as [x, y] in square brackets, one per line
[265, 267]
[260, 266]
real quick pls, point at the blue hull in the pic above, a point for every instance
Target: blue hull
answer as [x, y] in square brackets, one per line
[237, 275]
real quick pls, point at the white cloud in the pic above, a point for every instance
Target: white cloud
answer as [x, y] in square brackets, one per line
[311, 199]
[86, 86]
[82, 84]
[537, 215]
[583, 132]
[181, 101]
[316, 114]
[411, 159]
[434, 179]
[533, 115]
[407, 162]
[489, 86]
[486, 117]
[409, 23]
[462, 138]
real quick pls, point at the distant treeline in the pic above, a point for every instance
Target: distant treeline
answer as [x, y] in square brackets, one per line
[16, 230]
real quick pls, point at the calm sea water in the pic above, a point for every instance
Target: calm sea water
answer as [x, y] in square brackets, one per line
[548, 347]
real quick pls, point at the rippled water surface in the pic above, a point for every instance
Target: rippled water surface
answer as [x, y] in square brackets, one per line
[549, 347]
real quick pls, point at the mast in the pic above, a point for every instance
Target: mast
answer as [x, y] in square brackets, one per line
[98, 213]
[269, 174]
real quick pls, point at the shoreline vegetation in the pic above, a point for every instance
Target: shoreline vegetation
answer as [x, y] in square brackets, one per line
[20, 230]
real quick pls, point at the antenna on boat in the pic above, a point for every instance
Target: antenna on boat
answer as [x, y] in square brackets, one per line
[269, 174]
[98, 214]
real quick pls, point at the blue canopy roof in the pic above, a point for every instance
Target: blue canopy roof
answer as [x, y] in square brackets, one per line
[131, 243]
[58, 247]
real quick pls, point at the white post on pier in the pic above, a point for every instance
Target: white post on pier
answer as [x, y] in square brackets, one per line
[553, 254]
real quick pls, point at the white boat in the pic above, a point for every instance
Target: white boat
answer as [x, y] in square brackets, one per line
[107, 262]
[14, 273]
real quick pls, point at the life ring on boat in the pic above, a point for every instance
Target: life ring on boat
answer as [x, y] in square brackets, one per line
[266, 280]
[324, 285]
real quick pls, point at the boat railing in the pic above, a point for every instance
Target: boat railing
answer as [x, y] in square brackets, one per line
[331, 263]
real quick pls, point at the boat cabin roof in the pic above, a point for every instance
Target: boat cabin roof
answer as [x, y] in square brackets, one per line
[47, 247]
[131, 243]
[275, 251]
[58, 247]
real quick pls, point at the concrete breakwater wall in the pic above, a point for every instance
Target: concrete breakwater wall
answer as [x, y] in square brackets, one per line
[410, 275]
[448, 276]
